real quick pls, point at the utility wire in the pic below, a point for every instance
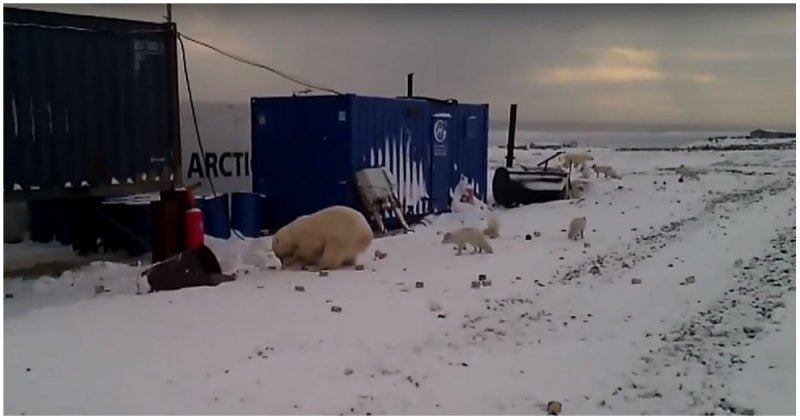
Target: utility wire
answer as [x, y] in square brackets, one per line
[259, 65]
[194, 119]
[194, 113]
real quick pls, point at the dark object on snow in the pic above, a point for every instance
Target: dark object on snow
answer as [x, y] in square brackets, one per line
[99, 289]
[195, 267]
[486, 283]
[359, 267]
[476, 284]
[9, 295]
[323, 274]
[379, 255]
[419, 285]
[481, 276]
[636, 280]
[337, 309]
[532, 185]
[553, 408]
[527, 237]
[300, 288]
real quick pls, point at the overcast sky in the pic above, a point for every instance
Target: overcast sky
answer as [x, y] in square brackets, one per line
[676, 66]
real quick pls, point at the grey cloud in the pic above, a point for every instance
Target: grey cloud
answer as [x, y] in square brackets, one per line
[715, 66]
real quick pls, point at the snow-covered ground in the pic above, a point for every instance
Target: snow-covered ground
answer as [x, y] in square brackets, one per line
[562, 320]
[608, 138]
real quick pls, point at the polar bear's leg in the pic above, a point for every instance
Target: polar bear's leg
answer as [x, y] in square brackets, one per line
[290, 263]
[309, 250]
[333, 256]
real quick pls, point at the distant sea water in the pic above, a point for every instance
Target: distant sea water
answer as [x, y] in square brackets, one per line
[609, 138]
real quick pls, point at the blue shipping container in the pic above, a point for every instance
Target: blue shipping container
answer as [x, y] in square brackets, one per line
[90, 106]
[307, 149]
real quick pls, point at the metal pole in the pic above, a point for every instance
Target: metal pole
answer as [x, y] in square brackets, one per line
[171, 49]
[512, 129]
[410, 85]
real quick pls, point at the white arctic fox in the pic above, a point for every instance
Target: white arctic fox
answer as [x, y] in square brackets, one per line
[492, 227]
[464, 236]
[608, 171]
[687, 173]
[576, 228]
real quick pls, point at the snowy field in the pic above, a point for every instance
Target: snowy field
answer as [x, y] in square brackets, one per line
[710, 327]
[608, 138]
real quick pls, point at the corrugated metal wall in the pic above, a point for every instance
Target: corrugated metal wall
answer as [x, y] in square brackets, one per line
[90, 105]
[470, 152]
[306, 151]
[301, 154]
[394, 134]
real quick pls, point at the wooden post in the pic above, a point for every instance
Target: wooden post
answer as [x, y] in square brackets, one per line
[512, 129]
[410, 85]
[169, 13]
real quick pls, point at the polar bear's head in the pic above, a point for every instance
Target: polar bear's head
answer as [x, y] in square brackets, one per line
[282, 244]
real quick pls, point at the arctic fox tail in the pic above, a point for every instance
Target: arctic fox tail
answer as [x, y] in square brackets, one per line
[492, 227]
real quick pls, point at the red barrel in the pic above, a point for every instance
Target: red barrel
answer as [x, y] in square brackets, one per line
[194, 228]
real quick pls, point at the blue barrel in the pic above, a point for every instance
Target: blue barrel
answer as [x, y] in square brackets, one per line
[216, 218]
[247, 213]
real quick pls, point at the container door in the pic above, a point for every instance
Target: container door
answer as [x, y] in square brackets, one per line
[440, 163]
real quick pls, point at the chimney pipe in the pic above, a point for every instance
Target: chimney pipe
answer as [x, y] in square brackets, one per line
[512, 129]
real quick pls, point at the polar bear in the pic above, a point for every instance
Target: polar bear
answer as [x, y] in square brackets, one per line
[586, 172]
[327, 239]
[574, 159]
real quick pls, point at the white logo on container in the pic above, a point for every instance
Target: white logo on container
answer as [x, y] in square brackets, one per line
[439, 130]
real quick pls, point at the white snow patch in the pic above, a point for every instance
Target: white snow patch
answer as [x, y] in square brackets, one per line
[507, 348]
